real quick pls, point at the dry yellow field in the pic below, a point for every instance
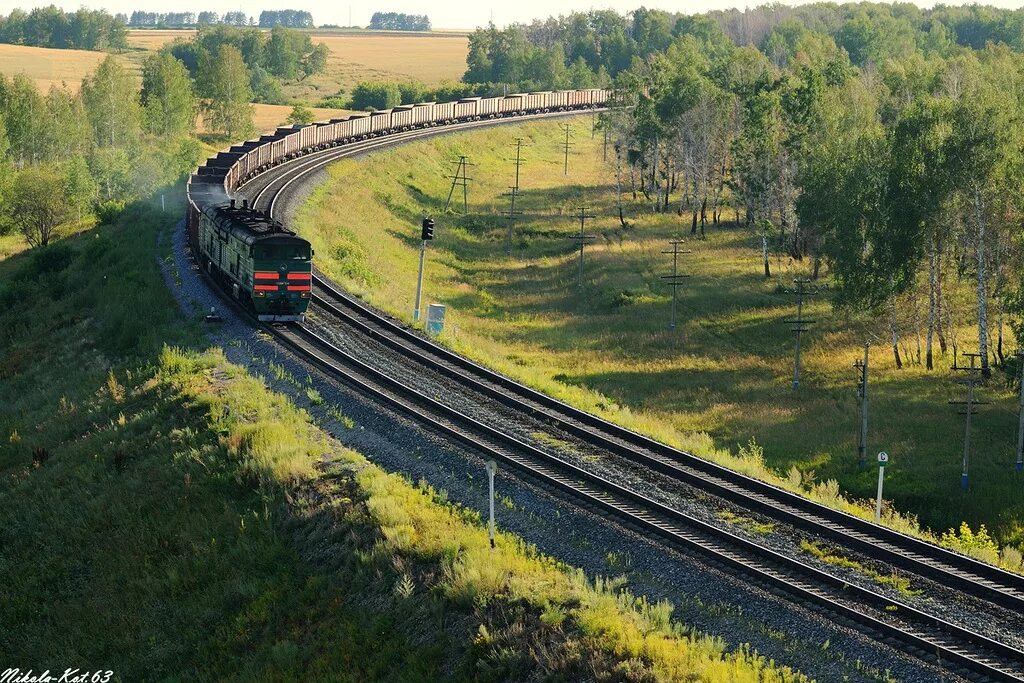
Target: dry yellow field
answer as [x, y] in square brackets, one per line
[49, 67]
[154, 39]
[353, 57]
[270, 116]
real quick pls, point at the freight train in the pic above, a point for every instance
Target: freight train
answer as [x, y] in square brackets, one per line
[241, 233]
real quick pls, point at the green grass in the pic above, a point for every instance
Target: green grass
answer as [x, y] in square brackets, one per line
[836, 559]
[169, 517]
[719, 386]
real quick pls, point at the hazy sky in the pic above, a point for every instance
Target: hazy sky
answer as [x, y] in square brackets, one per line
[451, 14]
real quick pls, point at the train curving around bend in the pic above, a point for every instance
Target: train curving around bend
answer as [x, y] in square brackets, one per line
[266, 266]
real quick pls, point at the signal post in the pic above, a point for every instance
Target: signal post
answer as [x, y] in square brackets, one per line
[426, 233]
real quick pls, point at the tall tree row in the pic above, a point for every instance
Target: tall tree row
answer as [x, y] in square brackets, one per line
[893, 176]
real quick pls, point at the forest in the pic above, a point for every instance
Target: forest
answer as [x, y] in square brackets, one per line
[879, 144]
[52, 27]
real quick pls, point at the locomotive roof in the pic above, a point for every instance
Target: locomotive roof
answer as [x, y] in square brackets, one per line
[248, 225]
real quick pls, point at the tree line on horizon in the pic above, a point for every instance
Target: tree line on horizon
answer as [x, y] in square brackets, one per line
[395, 21]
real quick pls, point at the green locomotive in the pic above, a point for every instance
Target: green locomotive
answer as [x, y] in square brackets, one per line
[264, 265]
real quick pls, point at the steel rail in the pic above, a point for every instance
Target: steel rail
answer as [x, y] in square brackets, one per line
[924, 631]
[677, 465]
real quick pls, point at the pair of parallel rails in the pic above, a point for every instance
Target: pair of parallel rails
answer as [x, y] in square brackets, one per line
[927, 635]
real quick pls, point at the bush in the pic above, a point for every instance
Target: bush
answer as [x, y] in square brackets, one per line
[372, 96]
[109, 211]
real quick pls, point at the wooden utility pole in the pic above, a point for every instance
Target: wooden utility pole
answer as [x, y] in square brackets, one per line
[799, 323]
[862, 394]
[675, 280]
[460, 178]
[567, 145]
[973, 377]
[513, 193]
[1020, 416]
[582, 238]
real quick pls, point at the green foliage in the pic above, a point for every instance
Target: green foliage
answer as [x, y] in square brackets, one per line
[36, 205]
[112, 105]
[226, 80]
[167, 96]
[299, 115]
[52, 27]
[371, 96]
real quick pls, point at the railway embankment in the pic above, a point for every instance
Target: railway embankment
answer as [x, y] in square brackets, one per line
[216, 531]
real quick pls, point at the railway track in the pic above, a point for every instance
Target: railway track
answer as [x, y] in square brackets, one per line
[930, 635]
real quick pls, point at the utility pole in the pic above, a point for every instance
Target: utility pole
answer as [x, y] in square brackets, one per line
[513, 193]
[426, 233]
[971, 381]
[801, 292]
[460, 178]
[567, 146]
[675, 279]
[492, 468]
[883, 460]
[1020, 411]
[862, 393]
[582, 238]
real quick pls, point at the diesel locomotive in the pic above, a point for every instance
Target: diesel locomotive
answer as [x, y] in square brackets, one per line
[264, 265]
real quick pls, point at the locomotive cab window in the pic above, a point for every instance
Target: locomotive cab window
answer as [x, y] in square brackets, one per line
[282, 251]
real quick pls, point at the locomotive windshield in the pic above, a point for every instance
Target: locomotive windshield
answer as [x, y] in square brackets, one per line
[295, 252]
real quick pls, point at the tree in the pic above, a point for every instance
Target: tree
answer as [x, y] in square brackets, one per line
[64, 129]
[80, 187]
[112, 105]
[24, 113]
[167, 96]
[369, 96]
[228, 110]
[36, 204]
[300, 116]
[316, 61]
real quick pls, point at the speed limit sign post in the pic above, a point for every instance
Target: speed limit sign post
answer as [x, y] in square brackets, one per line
[883, 459]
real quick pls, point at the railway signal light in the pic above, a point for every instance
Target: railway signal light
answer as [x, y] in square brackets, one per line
[427, 232]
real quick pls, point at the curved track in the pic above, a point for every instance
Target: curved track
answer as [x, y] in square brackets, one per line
[872, 611]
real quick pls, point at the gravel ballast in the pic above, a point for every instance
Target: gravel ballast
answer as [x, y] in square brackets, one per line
[706, 598]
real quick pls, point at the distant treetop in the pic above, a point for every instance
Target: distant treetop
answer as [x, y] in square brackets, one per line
[287, 17]
[393, 21]
[52, 27]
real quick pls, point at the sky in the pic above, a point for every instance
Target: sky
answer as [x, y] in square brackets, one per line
[443, 14]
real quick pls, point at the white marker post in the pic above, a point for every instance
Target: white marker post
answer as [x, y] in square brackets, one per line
[883, 458]
[492, 468]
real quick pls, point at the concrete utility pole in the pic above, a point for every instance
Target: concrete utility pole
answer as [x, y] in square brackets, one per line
[567, 146]
[675, 279]
[513, 193]
[972, 379]
[862, 393]
[582, 238]
[883, 459]
[801, 292]
[492, 468]
[460, 178]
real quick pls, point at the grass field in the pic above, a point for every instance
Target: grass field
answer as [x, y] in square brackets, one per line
[722, 379]
[168, 517]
